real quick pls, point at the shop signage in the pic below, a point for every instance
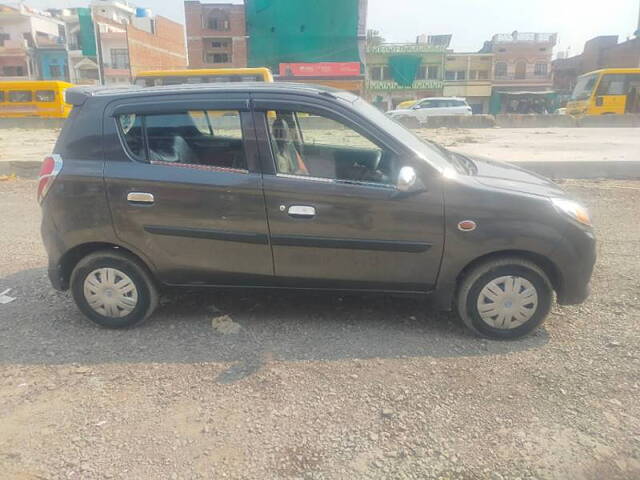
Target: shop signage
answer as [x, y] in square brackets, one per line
[321, 69]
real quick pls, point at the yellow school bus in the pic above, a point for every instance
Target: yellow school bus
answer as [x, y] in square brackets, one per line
[612, 91]
[33, 99]
[215, 75]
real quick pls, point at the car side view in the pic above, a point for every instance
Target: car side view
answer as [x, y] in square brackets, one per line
[297, 187]
[419, 112]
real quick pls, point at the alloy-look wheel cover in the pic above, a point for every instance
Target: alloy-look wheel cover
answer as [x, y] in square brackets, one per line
[110, 292]
[507, 302]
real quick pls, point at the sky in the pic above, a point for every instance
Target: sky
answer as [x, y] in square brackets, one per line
[470, 21]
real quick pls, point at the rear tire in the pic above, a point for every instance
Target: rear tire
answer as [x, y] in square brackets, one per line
[113, 289]
[505, 298]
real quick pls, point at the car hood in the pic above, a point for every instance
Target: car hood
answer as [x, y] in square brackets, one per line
[509, 177]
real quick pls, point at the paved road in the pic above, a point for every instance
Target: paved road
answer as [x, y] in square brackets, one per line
[318, 387]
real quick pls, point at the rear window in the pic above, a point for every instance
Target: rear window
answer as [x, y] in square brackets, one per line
[45, 96]
[16, 96]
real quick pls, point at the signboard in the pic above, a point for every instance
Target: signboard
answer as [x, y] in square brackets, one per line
[321, 69]
[391, 85]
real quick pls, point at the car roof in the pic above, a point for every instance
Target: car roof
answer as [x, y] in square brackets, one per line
[78, 95]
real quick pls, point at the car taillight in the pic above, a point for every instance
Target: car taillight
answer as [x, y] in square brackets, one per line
[50, 169]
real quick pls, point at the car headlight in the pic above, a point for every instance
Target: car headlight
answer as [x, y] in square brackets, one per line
[573, 210]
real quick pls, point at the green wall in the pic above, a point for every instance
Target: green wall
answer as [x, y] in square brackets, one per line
[282, 31]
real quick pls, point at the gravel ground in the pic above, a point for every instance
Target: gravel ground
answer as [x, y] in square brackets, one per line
[253, 386]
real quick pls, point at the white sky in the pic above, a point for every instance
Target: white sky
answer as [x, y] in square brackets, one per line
[470, 21]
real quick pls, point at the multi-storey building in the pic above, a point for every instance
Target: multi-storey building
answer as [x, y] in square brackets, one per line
[130, 40]
[401, 72]
[470, 75]
[32, 45]
[522, 64]
[216, 34]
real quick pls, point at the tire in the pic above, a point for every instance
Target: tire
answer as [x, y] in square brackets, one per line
[109, 272]
[522, 312]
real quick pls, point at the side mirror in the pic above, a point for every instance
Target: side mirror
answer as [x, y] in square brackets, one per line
[416, 107]
[406, 179]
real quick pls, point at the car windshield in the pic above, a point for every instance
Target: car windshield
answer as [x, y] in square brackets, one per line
[425, 148]
[584, 87]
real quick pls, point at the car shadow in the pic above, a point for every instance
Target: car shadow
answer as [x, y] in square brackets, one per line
[244, 328]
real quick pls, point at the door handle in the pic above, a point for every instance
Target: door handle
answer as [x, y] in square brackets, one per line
[140, 198]
[301, 211]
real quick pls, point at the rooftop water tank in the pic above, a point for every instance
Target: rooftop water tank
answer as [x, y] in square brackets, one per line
[142, 12]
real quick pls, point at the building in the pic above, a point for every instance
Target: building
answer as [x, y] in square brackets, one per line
[81, 44]
[216, 35]
[522, 63]
[599, 52]
[130, 40]
[400, 72]
[32, 45]
[470, 75]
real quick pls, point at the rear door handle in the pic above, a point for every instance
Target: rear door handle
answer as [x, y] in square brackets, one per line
[140, 198]
[301, 211]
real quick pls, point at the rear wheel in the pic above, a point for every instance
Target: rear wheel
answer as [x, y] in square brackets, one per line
[113, 289]
[505, 298]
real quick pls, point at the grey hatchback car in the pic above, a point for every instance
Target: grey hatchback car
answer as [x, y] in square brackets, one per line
[297, 187]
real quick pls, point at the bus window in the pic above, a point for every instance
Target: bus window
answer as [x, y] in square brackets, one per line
[194, 80]
[612, 85]
[1, 96]
[584, 87]
[45, 96]
[18, 96]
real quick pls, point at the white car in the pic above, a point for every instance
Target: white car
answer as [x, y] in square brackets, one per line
[429, 107]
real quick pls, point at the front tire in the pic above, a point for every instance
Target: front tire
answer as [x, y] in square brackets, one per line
[504, 299]
[113, 289]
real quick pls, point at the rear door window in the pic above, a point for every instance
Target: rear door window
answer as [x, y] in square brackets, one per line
[206, 138]
[18, 96]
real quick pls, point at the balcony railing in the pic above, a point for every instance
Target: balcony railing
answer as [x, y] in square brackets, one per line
[521, 78]
[416, 85]
[524, 37]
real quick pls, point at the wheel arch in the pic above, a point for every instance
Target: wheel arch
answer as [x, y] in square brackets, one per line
[547, 266]
[71, 258]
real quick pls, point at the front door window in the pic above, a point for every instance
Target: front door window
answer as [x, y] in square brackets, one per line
[316, 146]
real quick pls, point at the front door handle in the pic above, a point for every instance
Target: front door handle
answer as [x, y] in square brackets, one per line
[301, 211]
[140, 198]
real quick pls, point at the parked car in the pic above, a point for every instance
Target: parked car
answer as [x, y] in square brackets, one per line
[419, 112]
[296, 187]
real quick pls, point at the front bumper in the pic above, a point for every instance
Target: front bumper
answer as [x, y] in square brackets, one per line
[577, 266]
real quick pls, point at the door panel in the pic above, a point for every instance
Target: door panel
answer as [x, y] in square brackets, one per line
[343, 233]
[360, 236]
[197, 223]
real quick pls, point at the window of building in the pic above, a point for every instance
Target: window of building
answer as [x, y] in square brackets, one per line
[483, 74]
[55, 71]
[119, 58]
[455, 75]
[217, 20]
[218, 58]
[17, 96]
[501, 69]
[521, 70]
[432, 73]
[219, 44]
[381, 72]
[473, 74]
[541, 69]
[210, 138]
[13, 71]
[3, 37]
[336, 151]
[45, 96]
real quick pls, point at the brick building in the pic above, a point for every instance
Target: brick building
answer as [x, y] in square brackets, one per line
[131, 40]
[599, 52]
[216, 35]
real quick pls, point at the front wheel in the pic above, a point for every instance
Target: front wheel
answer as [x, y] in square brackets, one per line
[505, 298]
